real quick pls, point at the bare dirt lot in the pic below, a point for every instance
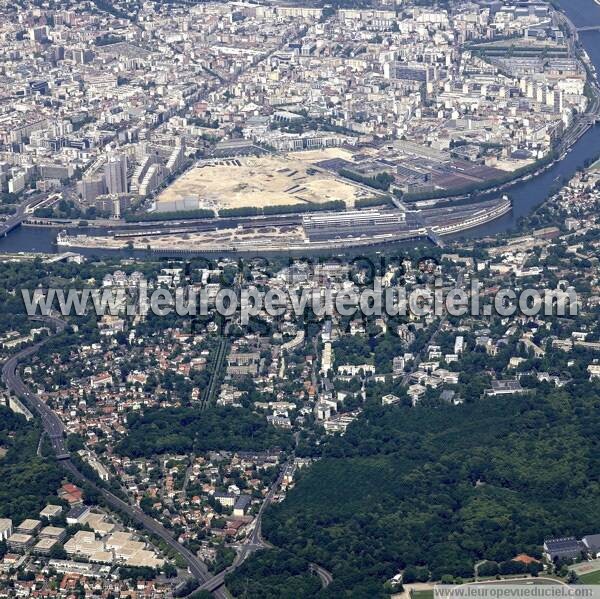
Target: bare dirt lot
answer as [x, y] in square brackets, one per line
[262, 181]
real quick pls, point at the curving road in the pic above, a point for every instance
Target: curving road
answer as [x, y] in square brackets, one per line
[53, 426]
[21, 213]
[255, 542]
[54, 429]
[252, 543]
[325, 575]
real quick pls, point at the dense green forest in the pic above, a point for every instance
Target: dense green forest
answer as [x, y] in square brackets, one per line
[26, 480]
[274, 574]
[442, 488]
[182, 430]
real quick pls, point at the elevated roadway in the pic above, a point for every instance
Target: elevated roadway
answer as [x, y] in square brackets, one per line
[23, 212]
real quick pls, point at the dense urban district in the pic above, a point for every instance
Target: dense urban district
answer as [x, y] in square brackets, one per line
[303, 454]
[156, 111]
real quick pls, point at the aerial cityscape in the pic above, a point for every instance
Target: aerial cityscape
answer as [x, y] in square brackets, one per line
[300, 299]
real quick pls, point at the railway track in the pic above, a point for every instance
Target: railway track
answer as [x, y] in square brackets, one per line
[213, 383]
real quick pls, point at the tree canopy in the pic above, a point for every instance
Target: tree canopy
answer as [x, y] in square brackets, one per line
[442, 488]
[27, 480]
[183, 430]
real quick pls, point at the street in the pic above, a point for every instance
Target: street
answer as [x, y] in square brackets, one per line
[54, 429]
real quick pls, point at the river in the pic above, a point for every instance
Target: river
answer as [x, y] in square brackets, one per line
[529, 195]
[526, 196]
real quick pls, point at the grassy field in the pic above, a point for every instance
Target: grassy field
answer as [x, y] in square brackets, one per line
[590, 578]
[588, 571]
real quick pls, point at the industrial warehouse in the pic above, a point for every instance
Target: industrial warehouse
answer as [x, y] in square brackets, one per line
[354, 223]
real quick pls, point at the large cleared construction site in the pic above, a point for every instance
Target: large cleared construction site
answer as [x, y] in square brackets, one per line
[251, 181]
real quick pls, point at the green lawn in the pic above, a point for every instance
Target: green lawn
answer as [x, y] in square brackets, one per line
[590, 578]
[422, 594]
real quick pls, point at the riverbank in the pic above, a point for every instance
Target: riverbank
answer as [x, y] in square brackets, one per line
[527, 194]
[298, 238]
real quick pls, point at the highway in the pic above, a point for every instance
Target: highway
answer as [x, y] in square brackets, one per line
[53, 426]
[54, 429]
[15, 220]
[585, 121]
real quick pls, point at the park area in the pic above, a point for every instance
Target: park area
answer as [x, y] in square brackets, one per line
[588, 572]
